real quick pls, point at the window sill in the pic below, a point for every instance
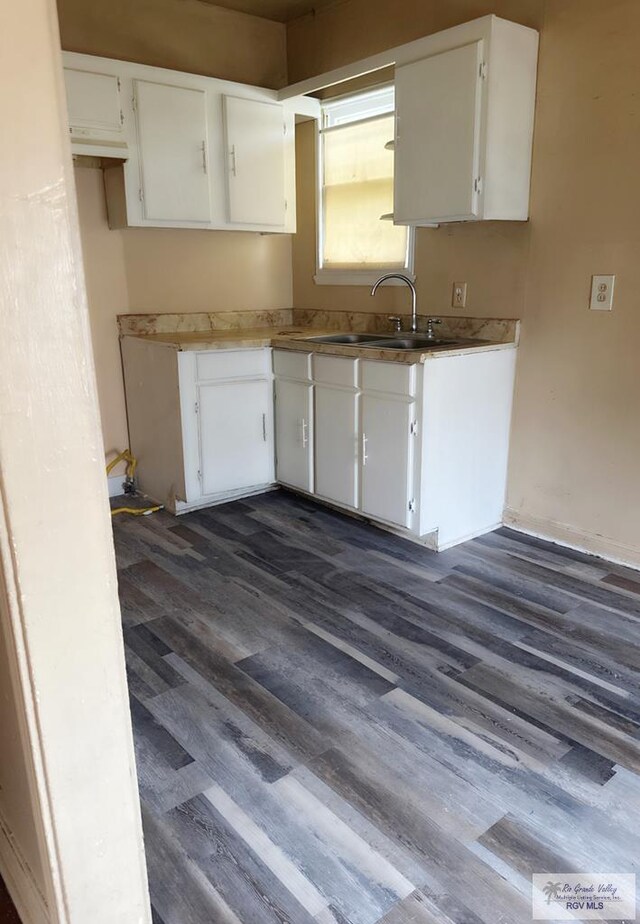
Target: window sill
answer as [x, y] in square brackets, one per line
[358, 277]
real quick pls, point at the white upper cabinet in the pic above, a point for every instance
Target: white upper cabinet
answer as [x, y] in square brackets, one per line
[465, 103]
[255, 148]
[173, 152]
[437, 149]
[185, 151]
[464, 126]
[95, 107]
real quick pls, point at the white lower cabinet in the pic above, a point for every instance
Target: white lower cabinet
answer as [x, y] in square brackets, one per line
[294, 433]
[387, 439]
[200, 422]
[336, 455]
[234, 435]
[363, 432]
[421, 448]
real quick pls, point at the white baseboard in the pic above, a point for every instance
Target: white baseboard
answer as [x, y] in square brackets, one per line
[572, 538]
[115, 483]
[18, 877]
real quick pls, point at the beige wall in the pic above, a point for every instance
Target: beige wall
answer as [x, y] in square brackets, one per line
[576, 445]
[576, 440]
[186, 35]
[142, 270]
[162, 270]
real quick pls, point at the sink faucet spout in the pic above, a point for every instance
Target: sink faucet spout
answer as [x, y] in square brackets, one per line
[414, 295]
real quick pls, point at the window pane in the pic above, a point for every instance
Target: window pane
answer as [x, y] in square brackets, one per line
[358, 189]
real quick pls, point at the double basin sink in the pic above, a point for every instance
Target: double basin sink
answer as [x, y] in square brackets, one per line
[378, 342]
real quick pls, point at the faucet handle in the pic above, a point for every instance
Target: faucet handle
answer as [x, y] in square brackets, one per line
[430, 323]
[396, 321]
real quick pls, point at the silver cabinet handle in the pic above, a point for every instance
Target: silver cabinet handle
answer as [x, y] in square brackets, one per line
[305, 438]
[364, 449]
[264, 427]
[234, 163]
[204, 156]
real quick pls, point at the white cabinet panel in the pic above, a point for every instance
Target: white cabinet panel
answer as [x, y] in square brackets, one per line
[172, 135]
[438, 116]
[387, 458]
[235, 435]
[336, 440]
[294, 433]
[254, 132]
[93, 103]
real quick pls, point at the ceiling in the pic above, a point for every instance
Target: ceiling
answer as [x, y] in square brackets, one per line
[278, 10]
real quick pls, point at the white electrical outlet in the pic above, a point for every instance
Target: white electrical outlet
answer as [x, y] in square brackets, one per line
[602, 293]
[459, 295]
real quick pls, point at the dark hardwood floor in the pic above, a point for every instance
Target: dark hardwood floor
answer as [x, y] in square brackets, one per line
[336, 726]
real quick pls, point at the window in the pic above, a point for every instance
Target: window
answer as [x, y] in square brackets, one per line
[356, 243]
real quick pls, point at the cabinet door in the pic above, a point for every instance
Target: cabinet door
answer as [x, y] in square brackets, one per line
[387, 458]
[235, 435]
[336, 444]
[255, 150]
[437, 150]
[93, 103]
[172, 134]
[294, 434]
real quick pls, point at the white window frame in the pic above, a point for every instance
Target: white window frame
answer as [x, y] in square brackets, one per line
[325, 276]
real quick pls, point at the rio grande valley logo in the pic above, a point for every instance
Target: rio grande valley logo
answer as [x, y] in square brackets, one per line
[584, 897]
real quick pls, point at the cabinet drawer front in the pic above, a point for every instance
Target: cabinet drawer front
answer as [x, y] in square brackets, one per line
[335, 370]
[391, 378]
[231, 364]
[292, 365]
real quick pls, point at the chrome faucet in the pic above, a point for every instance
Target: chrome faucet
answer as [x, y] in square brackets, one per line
[414, 295]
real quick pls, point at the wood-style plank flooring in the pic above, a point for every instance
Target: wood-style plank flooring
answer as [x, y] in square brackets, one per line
[334, 725]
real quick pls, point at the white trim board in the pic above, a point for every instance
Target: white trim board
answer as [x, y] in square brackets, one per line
[19, 880]
[572, 538]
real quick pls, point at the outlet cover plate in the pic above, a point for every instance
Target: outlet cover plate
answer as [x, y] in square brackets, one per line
[602, 293]
[459, 295]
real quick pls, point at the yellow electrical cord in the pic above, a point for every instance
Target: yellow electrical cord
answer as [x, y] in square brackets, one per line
[128, 457]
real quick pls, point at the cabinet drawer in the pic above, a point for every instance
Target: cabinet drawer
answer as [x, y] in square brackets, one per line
[292, 365]
[231, 364]
[335, 370]
[392, 378]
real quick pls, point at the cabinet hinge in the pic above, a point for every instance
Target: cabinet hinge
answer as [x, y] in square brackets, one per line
[199, 475]
[141, 195]
[483, 70]
[118, 82]
[121, 117]
[413, 428]
[286, 206]
[477, 185]
[412, 505]
[197, 407]
[284, 128]
[133, 103]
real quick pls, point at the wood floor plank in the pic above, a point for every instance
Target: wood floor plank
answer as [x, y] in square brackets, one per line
[334, 725]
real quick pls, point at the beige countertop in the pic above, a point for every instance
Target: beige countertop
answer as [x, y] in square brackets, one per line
[297, 338]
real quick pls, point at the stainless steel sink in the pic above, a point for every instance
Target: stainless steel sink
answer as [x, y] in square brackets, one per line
[409, 343]
[345, 338]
